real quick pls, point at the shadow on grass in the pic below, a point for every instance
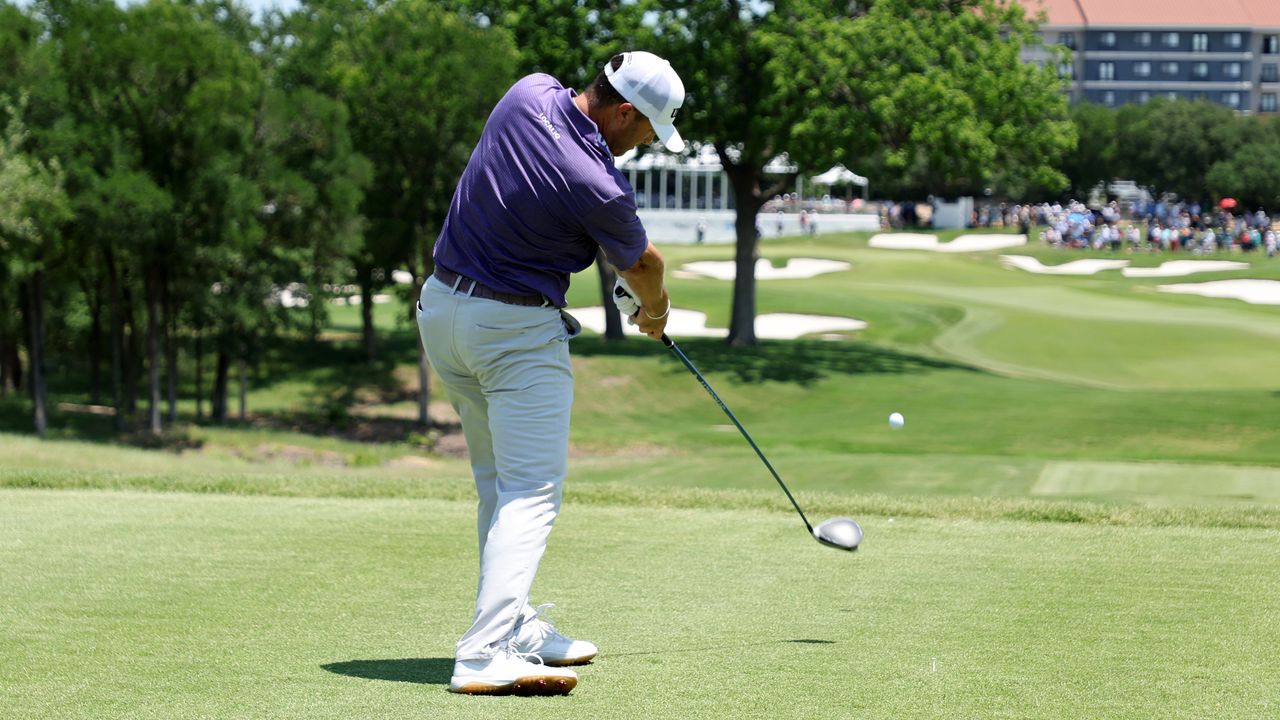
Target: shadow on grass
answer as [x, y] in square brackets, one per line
[335, 377]
[438, 671]
[797, 361]
[423, 671]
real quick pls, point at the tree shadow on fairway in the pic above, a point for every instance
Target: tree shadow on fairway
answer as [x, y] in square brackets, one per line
[798, 361]
[422, 671]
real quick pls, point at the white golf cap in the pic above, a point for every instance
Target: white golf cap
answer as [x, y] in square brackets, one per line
[650, 84]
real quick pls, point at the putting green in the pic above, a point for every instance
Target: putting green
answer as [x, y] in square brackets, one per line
[178, 606]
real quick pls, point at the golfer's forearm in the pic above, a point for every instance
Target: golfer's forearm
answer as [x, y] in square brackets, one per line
[646, 280]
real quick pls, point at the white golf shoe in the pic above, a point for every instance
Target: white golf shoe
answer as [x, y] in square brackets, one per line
[539, 637]
[510, 673]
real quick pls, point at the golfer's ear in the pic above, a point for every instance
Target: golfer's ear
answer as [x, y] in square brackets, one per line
[626, 110]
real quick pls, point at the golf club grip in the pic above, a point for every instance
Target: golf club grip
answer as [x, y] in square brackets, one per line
[715, 396]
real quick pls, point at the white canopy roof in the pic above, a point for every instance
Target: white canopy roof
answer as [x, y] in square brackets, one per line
[702, 158]
[838, 174]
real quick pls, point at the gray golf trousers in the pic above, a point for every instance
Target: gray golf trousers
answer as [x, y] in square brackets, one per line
[506, 371]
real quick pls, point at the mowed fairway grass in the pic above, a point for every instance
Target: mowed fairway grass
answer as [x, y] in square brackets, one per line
[1081, 518]
[175, 605]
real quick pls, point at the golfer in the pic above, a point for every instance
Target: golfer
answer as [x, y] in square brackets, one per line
[539, 195]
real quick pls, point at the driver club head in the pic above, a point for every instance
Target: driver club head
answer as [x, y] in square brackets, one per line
[841, 533]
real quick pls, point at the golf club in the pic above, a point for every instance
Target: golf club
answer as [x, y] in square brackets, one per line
[841, 533]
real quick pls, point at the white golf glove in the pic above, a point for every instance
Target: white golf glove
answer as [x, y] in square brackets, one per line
[625, 299]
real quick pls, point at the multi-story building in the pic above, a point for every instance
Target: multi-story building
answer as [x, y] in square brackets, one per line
[1125, 51]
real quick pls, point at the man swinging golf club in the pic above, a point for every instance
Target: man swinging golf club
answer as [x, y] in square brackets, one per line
[539, 195]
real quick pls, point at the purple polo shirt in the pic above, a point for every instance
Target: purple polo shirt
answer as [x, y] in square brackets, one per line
[539, 195]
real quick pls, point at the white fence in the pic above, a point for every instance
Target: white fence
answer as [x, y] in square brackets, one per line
[680, 227]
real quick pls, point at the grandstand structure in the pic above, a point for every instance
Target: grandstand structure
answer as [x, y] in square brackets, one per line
[1127, 51]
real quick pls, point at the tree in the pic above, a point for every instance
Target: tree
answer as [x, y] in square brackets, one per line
[162, 100]
[18, 33]
[946, 105]
[33, 204]
[1095, 158]
[922, 95]
[1251, 175]
[1170, 144]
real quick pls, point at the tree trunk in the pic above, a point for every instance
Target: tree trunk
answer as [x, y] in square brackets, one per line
[116, 320]
[424, 366]
[170, 353]
[15, 365]
[219, 402]
[5, 368]
[151, 283]
[4, 363]
[747, 197]
[612, 318]
[94, 295]
[132, 353]
[364, 274]
[244, 389]
[35, 355]
[199, 375]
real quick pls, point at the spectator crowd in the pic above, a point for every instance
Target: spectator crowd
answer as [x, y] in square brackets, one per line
[1152, 227]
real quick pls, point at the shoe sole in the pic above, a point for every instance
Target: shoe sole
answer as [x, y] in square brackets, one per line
[533, 686]
[566, 662]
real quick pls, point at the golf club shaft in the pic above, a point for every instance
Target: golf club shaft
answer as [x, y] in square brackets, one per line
[671, 345]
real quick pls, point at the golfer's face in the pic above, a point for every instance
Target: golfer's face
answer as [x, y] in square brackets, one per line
[636, 130]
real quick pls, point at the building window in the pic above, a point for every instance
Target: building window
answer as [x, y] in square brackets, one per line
[1234, 40]
[1200, 42]
[1271, 45]
[1066, 71]
[1109, 98]
[1144, 39]
[1108, 39]
[1200, 70]
[1232, 70]
[1067, 40]
[1144, 96]
[1270, 73]
[1106, 71]
[1169, 68]
[1268, 103]
[1170, 40]
[1231, 99]
[1142, 69]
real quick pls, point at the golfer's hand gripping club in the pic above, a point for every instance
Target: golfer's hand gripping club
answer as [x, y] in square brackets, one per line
[625, 300]
[628, 303]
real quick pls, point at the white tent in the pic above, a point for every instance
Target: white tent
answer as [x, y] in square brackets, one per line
[837, 175]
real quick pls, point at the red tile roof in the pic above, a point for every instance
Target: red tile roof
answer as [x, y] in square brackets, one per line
[1159, 13]
[1265, 13]
[1058, 12]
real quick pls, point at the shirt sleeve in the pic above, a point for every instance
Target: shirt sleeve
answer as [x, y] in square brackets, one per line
[617, 229]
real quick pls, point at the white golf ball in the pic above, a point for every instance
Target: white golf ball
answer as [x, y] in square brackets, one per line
[896, 421]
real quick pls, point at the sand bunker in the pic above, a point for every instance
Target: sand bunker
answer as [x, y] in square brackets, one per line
[1177, 268]
[691, 323]
[1087, 266]
[1257, 292]
[795, 269]
[964, 243]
